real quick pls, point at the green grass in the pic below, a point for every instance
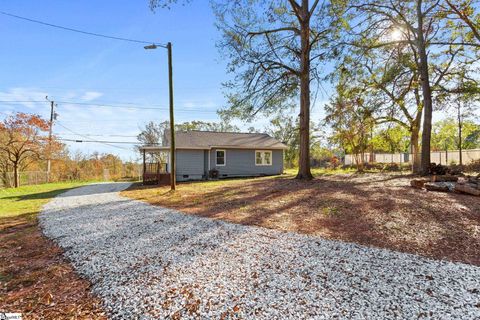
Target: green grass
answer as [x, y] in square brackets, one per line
[28, 200]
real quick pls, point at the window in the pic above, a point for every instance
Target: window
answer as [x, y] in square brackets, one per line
[220, 156]
[263, 158]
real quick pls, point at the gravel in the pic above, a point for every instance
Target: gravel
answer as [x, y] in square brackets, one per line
[149, 262]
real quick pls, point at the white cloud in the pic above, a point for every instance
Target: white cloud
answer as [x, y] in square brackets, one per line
[91, 95]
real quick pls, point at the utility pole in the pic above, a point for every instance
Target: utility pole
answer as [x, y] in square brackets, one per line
[52, 117]
[172, 123]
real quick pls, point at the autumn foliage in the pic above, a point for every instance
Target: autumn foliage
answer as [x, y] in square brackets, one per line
[23, 140]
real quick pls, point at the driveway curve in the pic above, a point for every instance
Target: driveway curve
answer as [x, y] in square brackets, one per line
[149, 262]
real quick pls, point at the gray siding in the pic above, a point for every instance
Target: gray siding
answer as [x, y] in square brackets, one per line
[191, 163]
[241, 162]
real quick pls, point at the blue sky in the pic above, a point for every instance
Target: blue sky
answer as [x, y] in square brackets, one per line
[38, 60]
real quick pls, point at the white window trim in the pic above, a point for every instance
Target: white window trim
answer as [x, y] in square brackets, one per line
[263, 158]
[224, 158]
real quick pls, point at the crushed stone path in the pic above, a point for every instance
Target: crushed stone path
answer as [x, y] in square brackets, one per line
[148, 262]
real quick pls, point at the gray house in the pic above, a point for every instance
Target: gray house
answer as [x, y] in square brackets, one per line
[203, 154]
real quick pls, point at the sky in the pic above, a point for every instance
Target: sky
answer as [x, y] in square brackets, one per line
[75, 69]
[38, 61]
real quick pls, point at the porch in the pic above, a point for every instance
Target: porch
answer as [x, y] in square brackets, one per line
[155, 166]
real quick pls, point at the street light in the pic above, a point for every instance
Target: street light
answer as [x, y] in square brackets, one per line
[172, 124]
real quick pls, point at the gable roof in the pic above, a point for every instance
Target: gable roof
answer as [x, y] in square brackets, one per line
[210, 139]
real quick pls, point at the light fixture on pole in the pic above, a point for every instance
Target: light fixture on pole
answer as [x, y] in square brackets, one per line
[172, 123]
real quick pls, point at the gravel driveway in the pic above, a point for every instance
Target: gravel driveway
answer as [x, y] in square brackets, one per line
[148, 262]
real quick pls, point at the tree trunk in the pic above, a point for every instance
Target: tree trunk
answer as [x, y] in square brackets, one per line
[304, 157]
[459, 116]
[426, 92]
[16, 183]
[415, 149]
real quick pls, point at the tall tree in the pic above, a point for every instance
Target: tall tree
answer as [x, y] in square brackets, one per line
[421, 27]
[391, 77]
[23, 139]
[275, 50]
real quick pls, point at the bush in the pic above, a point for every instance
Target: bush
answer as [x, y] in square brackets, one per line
[393, 167]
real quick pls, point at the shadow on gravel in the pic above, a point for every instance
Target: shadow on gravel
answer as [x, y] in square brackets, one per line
[373, 210]
[121, 226]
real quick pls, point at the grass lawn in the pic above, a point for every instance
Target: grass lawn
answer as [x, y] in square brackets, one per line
[34, 278]
[375, 209]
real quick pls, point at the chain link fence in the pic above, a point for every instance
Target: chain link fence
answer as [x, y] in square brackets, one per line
[40, 177]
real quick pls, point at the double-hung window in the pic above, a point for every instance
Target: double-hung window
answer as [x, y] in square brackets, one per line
[220, 157]
[263, 158]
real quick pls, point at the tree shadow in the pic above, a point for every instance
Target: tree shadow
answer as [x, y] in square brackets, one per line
[99, 189]
[377, 210]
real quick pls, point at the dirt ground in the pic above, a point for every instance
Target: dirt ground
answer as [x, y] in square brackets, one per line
[379, 210]
[35, 280]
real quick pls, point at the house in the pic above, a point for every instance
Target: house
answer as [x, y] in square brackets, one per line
[206, 154]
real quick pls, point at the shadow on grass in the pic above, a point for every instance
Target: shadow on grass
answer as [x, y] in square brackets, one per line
[39, 195]
[53, 193]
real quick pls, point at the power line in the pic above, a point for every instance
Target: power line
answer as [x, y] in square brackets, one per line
[88, 104]
[97, 135]
[81, 31]
[78, 134]
[104, 141]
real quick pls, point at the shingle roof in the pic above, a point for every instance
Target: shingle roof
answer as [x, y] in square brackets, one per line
[209, 139]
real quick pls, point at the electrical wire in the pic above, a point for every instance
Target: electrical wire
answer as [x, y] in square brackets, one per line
[103, 141]
[81, 31]
[96, 135]
[88, 104]
[78, 134]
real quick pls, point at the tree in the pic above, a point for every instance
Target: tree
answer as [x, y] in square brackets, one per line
[23, 140]
[423, 28]
[153, 134]
[461, 95]
[351, 119]
[223, 126]
[447, 136]
[391, 139]
[275, 50]
[393, 88]
[285, 128]
[465, 11]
